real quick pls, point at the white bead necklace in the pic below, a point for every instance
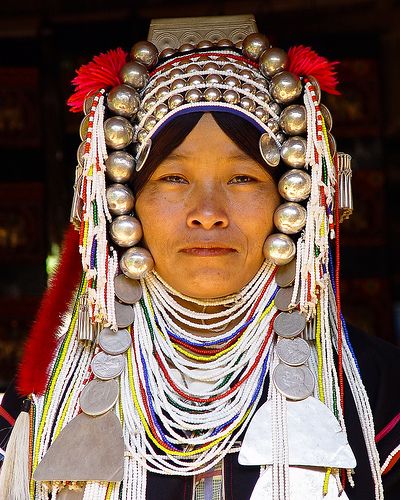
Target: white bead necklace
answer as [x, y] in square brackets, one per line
[161, 368]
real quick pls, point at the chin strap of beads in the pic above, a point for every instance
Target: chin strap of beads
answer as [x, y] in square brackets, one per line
[97, 260]
[314, 244]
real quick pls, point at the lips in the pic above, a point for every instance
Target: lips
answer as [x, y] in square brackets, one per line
[208, 250]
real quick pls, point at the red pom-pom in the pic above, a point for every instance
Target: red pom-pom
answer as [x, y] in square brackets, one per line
[42, 339]
[303, 61]
[102, 72]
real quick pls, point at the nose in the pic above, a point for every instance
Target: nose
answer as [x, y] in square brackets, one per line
[208, 209]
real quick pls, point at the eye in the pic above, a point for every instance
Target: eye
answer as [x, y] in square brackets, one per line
[174, 179]
[241, 179]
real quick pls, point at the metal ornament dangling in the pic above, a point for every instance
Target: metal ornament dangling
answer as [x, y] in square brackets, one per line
[344, 182]
[76, 208]
[87, 330]
[269, 150]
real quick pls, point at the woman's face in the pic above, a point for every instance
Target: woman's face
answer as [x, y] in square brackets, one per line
[206, 211]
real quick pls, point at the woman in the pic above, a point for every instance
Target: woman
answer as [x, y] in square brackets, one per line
[221, 373]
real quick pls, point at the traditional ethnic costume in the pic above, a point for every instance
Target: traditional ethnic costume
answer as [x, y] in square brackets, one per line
[127, 403]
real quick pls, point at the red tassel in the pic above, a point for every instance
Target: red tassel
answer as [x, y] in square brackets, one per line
[42, 342]
[100, 73]
[303, 61]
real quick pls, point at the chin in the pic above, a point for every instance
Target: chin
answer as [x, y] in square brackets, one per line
[209, 284]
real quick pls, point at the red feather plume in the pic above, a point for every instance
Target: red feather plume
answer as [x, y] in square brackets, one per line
[102, 72]
[303, 61]
[42, 341]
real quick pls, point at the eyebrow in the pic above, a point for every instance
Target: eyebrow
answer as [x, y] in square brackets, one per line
[238, 157]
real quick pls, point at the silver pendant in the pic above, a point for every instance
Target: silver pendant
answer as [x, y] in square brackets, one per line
[114, 342]
[124, 314]
[87, 449]
[286, 274]
[315, 438]
[304, 484]
[289, 324]
[293, 352]
[98, 396]
[105, 366]
[127, 290]
[283, 299]
[294, 382]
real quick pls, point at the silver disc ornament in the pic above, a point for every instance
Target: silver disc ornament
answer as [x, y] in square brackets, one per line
[293, 352]
[286, 274]
[127, 290]
[98, 396]
[269, 150]
[124, 314]
[106, 367]
[114, 342]
[283, 299]
[294, 382]
[289, 324]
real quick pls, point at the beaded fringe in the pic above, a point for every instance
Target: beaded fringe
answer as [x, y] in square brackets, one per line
[97, 260]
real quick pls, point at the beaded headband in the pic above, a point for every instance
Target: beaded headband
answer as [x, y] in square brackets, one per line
[127, 103]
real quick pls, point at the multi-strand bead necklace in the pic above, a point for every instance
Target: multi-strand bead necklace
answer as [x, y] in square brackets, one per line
[208, 387]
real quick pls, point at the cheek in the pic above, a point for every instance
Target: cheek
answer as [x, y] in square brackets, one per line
[259, 215]
[158, 218]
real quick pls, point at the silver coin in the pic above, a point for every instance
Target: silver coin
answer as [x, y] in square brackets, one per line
[123, 314]
[127, 290]
[294, 382]
[114, 342]
[289, 324]
[106, 367]
[98, 396]
[283, 299]
[285, 274]
[88, 103]
[293, 352]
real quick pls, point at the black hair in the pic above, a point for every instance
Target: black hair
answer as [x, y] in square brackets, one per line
[243, 133]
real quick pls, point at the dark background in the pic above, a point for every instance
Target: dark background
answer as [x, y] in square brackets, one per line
[43, 41]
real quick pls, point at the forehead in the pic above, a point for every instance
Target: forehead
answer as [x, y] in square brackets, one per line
[208, 139]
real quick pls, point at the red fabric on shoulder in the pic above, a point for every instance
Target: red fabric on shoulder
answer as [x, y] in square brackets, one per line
[42, 341]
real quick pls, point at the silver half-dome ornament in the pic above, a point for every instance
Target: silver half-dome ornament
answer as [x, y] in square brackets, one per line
[136, 262]
[290, 218]
[123, 100]
[285, 87]
[120, 166]
[293, 152]
[118, 132]
[279, 248]
[295, 185]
